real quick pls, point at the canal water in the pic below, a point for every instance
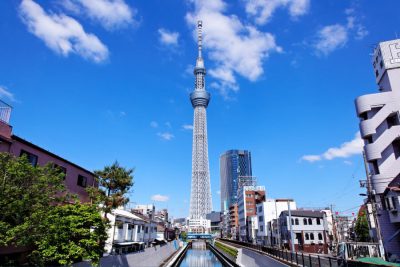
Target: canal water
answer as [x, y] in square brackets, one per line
[200, 256]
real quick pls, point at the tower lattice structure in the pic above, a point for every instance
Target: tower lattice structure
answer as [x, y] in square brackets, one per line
[200, 200]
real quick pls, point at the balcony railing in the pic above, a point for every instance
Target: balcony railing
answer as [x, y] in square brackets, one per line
[5, 112]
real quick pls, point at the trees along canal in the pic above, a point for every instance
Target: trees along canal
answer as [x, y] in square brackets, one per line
[37, 213]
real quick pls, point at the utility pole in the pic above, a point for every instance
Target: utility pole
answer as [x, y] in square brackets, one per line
[291, 230]
[371, 198]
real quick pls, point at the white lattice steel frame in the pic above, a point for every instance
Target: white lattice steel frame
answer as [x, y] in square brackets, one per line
[200, 200]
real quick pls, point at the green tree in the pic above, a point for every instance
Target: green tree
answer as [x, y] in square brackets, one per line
[26, 193]
[37, 213]
[115, 181]
[72, 233]
[362, 228]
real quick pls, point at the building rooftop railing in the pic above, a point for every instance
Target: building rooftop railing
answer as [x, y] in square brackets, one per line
[5, 112]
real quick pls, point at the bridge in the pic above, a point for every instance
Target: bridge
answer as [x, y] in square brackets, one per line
[192, 236]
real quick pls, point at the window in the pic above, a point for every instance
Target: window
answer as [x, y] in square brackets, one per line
[262, 228]
[309, 221]
[392, 120]
[318, 221]
[82, 181]
[146, 230]
[319, 236]
[60, 169]
[394, 202]
[297, 221]
[260, 218]
[33, 159]
[305, 221]
[312, 236]
[376, 73]
[381, 64]
[307, 236]
[260, 209]
[396, 148]
[375, 166]
[292, 222]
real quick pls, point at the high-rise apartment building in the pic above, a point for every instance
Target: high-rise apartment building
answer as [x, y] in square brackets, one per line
[235, 170]
[380, 130]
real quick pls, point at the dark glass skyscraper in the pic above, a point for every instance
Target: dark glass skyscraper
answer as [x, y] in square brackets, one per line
[235, 166]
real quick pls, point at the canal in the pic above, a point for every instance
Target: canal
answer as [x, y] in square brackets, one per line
[199, 256]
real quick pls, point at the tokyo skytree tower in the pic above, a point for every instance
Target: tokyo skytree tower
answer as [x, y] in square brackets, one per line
[200, 199]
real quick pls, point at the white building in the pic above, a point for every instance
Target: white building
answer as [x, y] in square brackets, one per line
[380, 130]
[128, 232]
[266, 212]
[147, 210]
[307, 229]
[199, 226]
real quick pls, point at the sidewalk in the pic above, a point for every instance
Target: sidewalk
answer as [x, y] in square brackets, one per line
[150, 257]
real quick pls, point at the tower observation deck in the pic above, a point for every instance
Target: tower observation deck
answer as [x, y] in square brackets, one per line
[200, 199]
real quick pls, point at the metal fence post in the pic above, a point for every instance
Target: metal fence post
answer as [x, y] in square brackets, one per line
[291, 256]
[297, 259]
[319, 261]
[309, 257]
[330, 262]
[302, 256]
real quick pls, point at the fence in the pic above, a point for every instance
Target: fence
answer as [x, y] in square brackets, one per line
[296, 258]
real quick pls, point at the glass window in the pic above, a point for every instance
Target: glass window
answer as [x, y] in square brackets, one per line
[296, 221]
[318, 221]
[307, 236]
[292, 222]
[32, 158]
[309, 221]
[82, 181]
[312, 236]
[394, 203]
[305, 221]
[319, 236]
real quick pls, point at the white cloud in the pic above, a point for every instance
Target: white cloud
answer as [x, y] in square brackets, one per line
[4, 92]
[153, 124]
[167, 37]
[330, 38]
[166, 136]
[333, 37]
[111, 14]
[160, 198]
[345, 150]
[61, 33]
[262, 10]
[234, 47]
[187, 127]
[348, 162]
[218, 192]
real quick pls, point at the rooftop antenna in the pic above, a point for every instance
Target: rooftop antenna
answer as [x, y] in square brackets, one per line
[199, 35]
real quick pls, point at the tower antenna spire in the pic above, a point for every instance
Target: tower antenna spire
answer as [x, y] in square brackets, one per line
[199, 36]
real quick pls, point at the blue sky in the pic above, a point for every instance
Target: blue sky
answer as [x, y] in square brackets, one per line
[109, 81]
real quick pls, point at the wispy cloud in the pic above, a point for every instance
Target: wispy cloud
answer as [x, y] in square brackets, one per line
[4, 92]
[218, 192]
[332, 37]
[111, 14]
[160, 198]
[154, 124]
[345, 150]
[262, 10]
[167, 37]
[235, 47]
[188, 127]
[167, 136]
[61, 33]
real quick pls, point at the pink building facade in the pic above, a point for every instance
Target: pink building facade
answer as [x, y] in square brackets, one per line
[76, 178]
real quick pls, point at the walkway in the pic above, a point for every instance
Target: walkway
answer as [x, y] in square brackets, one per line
[149, 258]
[249, 257]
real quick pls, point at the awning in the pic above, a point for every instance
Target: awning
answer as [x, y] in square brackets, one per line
[124, 243]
